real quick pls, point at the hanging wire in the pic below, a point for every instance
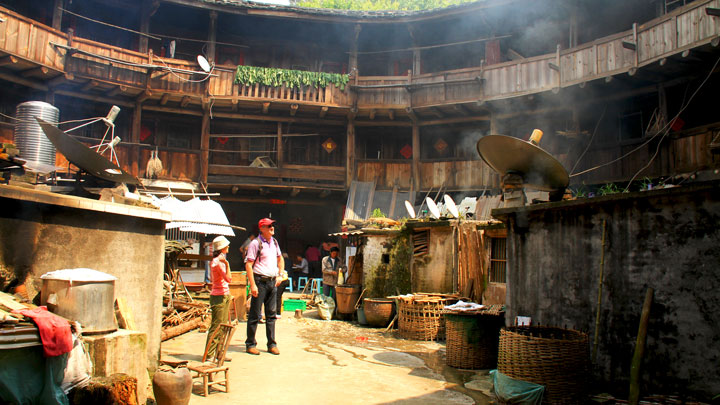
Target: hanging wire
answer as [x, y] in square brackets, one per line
[664, 131]
[591, 140]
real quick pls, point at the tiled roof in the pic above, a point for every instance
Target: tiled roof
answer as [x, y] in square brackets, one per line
[357, 14]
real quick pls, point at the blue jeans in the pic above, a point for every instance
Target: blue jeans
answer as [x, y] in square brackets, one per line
[267, 294]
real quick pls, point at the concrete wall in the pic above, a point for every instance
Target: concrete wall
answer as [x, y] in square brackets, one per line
[666, 239]
[42, 232]
[433, 272]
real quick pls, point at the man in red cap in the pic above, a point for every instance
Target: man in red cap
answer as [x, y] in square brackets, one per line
[265, 266]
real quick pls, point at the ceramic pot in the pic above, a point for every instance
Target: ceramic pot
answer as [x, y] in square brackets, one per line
[172, 386]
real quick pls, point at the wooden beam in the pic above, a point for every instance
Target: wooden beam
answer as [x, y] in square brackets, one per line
[185, 101]
[456, 120]
[629, 45]
[234, 102]
[25, 82]
[323, 111]
[265, 107]
[280, 155]
[350, 156]
[117, 90]
[416, 157]
[144, 96]
[38, 71]
[164, 99]
[64, 78]
[205, 147]
[294, 192]
[89, 85]
[411, 115]
[212, 34]
[9, 60]
[135, 139]
[322, 173]
[715, 12]
[293, 109]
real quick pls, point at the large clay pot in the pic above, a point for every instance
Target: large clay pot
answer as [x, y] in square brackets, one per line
[378, 311]
[172, 386]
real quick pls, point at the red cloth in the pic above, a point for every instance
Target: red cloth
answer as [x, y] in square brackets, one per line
[54, 330]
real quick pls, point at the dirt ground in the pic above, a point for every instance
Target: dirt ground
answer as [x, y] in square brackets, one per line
[324, 362]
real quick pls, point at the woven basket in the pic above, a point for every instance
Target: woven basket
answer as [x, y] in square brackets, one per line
[422, 318]
[472, 340]
[556, 358]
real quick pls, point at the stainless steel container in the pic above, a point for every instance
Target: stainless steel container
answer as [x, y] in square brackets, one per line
[83, 295]
[29, 137]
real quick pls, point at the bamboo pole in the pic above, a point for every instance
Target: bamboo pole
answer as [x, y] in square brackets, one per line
[599, 299]
[634, 396]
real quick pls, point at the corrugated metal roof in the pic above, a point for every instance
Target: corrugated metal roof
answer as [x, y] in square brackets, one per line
[346, 233]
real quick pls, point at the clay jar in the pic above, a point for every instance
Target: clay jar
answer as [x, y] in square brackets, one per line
[172, 386]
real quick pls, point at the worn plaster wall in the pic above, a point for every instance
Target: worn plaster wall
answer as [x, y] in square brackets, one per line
[433, 272]
[36, 238]
[667, 239]
[372, 257]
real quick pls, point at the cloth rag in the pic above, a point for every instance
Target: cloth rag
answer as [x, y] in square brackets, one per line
[54, 331]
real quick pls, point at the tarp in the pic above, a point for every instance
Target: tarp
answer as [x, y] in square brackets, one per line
[196, 215]
[512, 391]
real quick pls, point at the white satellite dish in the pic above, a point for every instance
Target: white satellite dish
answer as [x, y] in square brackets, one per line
[410, 209]
[204, 64]
[432, 207]
[451, 207]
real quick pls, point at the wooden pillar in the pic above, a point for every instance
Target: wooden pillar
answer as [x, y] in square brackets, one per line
[416, 157]
[57, 15]
[212, 33]
[144, 25]
[279, 145]
[205, 146]
[135, 139]
[350, 157]
[416, 52]
[353, 62]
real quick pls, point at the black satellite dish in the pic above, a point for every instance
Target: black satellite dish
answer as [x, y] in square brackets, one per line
[539, 169]
[85, 158]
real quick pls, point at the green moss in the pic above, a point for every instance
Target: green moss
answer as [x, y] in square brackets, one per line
[393, 277]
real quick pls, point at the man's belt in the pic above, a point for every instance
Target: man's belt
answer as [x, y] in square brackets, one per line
[263, 278]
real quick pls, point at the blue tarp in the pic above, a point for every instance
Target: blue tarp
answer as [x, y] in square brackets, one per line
[512, 391]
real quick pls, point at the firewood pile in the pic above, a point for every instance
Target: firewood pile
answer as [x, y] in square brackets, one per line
[180, 317]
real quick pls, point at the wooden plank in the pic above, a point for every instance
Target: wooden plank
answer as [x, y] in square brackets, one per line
[328, 173]
[8, 303]
[125, 317]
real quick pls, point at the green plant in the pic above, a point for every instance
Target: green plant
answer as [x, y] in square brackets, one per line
[377, 213]
[609, 188]
[293, 79]
[646, 184]
[581, 191]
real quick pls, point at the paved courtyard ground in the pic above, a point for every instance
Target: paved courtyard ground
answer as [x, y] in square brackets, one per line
[324, 362]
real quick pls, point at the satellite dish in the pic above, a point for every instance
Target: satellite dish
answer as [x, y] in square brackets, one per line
[451, 207]
[410, 209]
[204, 64]
[539, 169]
[432, 207]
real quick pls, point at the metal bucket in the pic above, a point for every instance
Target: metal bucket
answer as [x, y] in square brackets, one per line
[29, 137]
[83, 295]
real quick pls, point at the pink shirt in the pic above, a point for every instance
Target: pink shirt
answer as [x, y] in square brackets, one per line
[266, 264]
[217, 273]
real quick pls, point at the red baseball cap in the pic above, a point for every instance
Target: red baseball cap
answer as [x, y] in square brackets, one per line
[265, 222]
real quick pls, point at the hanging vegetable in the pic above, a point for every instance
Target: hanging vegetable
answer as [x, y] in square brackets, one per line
[248, 75]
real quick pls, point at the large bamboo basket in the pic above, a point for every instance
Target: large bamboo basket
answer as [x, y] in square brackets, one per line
[420, 317]
[472, 339]
[556, 358]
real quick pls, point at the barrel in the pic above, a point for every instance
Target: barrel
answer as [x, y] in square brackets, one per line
[29, 137]
[347, 297]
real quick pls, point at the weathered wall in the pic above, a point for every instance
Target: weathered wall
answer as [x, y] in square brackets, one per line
[433, 272]
[666, 239]
[38, 237]
[373, 250]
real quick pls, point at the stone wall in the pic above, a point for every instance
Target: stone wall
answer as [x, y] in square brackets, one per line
[42, 232]
[665, 239]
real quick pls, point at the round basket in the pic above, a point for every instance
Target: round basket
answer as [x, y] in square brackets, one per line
[472, 340]
[556, 358]
[421, 318]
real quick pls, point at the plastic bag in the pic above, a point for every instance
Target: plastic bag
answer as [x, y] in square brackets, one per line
[326, 306]
[511, 391]
[79, 366]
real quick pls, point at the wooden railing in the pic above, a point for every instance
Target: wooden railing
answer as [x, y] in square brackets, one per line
[319, 174]
[685, 28]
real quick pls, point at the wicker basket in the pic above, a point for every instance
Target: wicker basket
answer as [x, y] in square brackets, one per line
[553, 357]
[472, 340]
[421, 317]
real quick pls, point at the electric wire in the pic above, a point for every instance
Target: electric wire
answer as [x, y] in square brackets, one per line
[591, 140]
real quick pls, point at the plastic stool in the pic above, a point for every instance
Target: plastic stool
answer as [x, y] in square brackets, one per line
[289, 286]
[316, 286]
[302, 282]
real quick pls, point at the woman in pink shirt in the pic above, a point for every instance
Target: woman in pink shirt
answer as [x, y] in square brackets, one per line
[220, 293]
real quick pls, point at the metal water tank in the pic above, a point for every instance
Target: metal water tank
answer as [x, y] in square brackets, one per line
[29, 137]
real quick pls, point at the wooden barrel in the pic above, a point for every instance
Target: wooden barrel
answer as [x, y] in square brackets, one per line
[347, 296]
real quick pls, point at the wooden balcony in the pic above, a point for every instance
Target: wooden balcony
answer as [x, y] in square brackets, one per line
[453, 175]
